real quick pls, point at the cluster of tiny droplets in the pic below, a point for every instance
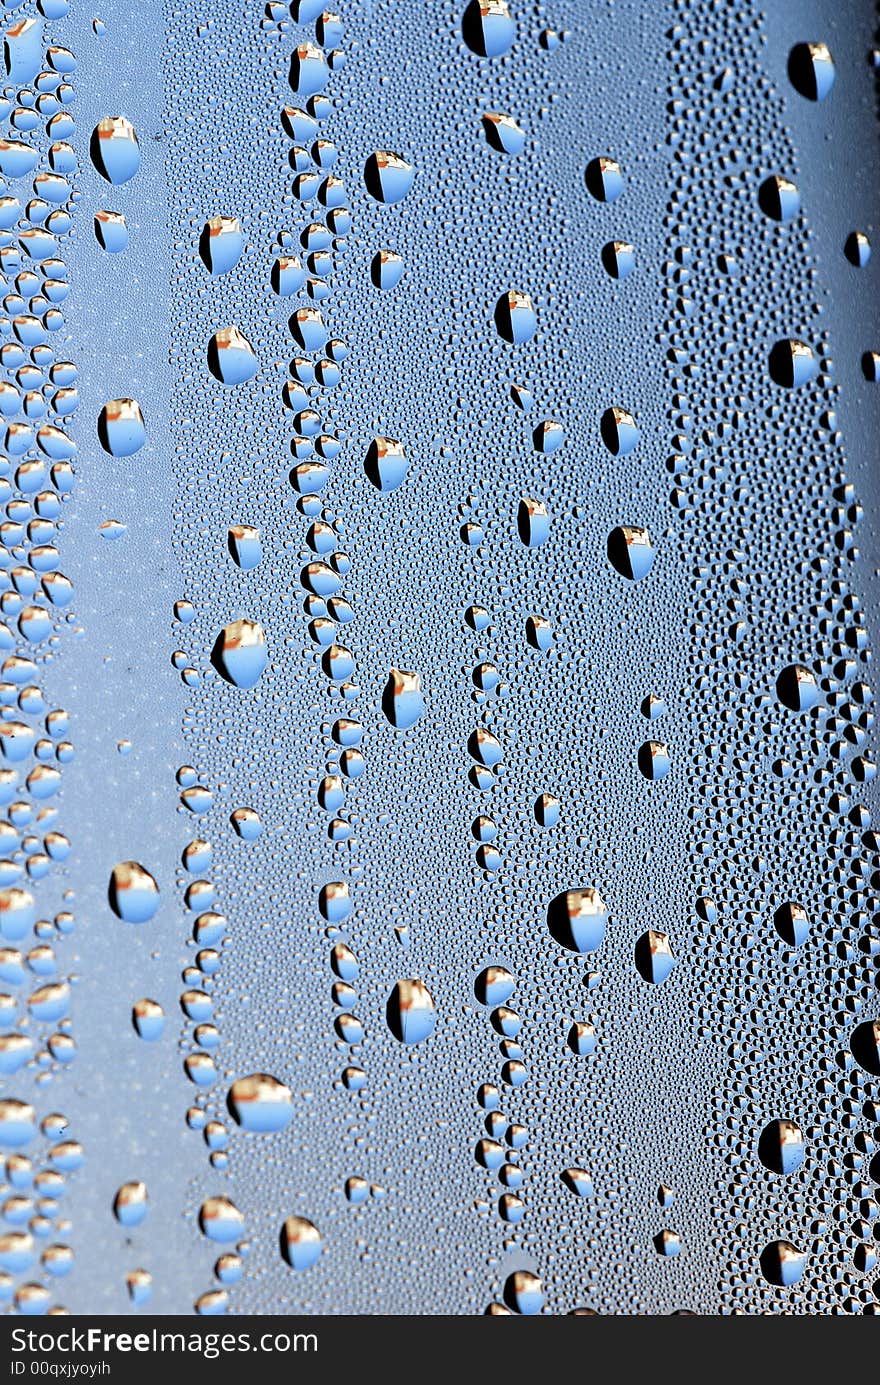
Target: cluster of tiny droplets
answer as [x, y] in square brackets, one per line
[779, 787]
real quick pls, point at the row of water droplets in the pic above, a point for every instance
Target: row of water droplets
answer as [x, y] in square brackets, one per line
[38, 399]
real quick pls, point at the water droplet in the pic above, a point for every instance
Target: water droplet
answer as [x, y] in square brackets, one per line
[618, 258]
[653, 760]
[388, 176]
[604, 178]
[130, 1204]
[239, 654]
[857, 249]
[121, 428]
[386, 269]
[114, 149]
[309, 72]
[524, 1293]
[619, 432]
[245, 549]
[667, 1243]
[487, 27]
[386, 464]
[231, 358]
[792, 923]
[494, 985]
[133, 892]
[654, 957]
[503, 133]
[865, 1046]
[515, 317]
[148, 1018]
[247, 824]
[261, 1103]
[781, 1147]
[301, 1243]
[18, 1123]
[111, 231]
[410, 1012]
[792, 363]
[139, 1284]
[402, 699]
[782, 1264]
[221, 244]
[797, 689]
[220, 1220]
[577, 1181]
[577, 919]
[811, 70]
[532, 522]
[630, 551]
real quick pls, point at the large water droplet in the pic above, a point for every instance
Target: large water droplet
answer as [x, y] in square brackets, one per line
[402, 699]
[410, 1012]
[865, 1046]
[386, 464]
[630, 551]
[811, 70]
[523, 1293]
[133, 892]
[300, 1243]
[515, 317]
[260, 1102]
[239, 654]
[121, 428]
[231, 357]
[114, 149]
[781, 1146]
[221, 243]
[782, 1264]
[487, 27]
[388, 176]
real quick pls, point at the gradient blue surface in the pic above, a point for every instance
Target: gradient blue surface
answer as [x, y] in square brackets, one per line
[599, 1131]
